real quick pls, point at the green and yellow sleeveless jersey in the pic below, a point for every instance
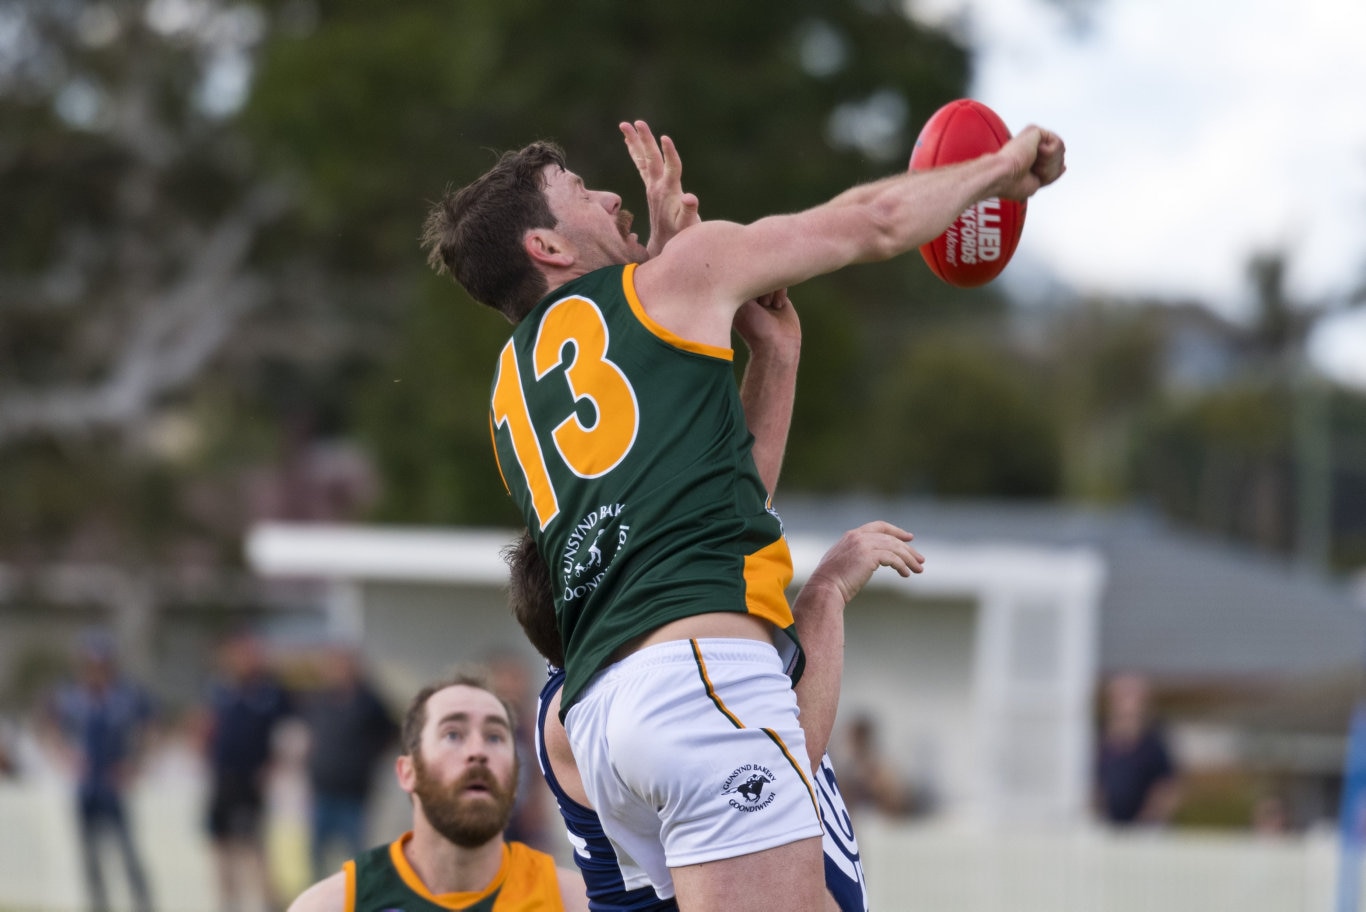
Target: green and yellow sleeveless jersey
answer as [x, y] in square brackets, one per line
[627, 450]
[382, 880]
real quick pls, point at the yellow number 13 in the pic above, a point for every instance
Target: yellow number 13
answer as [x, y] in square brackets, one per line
[589, 451]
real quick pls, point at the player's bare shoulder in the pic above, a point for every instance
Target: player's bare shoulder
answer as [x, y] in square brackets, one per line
[692, 254]
[686, 288]
[327, 895]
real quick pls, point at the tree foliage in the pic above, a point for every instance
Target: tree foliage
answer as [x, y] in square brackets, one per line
[214, 209]
[210, 268]
[957, 421]
[374, 110]
[126, 264]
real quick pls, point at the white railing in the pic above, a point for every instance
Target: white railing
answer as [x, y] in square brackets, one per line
[40, 865]
[919, 868]
[932, 869]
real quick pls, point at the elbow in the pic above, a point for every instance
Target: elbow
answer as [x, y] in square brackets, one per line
[886, 235]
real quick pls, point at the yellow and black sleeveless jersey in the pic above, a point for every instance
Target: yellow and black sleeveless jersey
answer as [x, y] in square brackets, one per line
[627, 450]
[381, 880]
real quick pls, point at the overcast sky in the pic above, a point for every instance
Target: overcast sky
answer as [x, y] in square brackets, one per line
[1198, 131]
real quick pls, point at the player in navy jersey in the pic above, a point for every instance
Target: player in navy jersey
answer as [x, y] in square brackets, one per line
[836, 580]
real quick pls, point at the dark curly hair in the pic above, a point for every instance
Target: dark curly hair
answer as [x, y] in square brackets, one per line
[475, 234]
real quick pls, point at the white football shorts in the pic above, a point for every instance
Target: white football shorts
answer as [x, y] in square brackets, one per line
[691, 752]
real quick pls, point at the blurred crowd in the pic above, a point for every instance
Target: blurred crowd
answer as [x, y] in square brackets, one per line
[318, 716]
[311, 715]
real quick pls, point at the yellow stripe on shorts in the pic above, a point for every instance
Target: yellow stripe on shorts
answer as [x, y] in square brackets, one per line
[734, 720]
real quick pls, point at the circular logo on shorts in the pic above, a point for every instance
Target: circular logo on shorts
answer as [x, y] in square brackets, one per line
[750, 782]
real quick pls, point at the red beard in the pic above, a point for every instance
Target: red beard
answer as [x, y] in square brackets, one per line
[468, 821]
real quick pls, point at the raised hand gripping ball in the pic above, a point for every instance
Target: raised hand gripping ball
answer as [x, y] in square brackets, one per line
[981, 241]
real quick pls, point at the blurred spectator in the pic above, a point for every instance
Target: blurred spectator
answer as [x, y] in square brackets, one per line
[866, 779]
[244, 708]
[9, 766]
[349, 729]
[101, 720]
[1136, 778]
[511, 679]
[1270, 817]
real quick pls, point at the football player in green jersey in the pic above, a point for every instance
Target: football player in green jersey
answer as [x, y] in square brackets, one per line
[621, 436]
[459, 766]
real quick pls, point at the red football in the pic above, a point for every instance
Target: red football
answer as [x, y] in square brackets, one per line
[981, 241]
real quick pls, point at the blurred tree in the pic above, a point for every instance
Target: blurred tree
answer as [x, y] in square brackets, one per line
[1273, 455]
[1102, 362]
[132, 214]
[210, 270]
[372, 110]
[126, 265]
[1220, 461]
[959, 419]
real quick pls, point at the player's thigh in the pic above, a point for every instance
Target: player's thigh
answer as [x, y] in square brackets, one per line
[787, 878]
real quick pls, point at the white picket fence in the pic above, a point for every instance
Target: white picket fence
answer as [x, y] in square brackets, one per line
[930, 869]
[40, 864]
[922, 868]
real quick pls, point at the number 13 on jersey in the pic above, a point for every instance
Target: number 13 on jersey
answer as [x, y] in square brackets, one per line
[588, 450]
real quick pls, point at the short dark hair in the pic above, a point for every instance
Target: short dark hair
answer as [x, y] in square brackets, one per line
[531, 598]
[415, 719]
[474, 234]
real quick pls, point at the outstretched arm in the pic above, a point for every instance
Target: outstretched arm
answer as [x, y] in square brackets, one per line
[695, 286]
[819, 613]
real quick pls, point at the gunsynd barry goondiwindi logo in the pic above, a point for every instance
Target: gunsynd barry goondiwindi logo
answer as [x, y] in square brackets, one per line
[748, 783]
[591, 547]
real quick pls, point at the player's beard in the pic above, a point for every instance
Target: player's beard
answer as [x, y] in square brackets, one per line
[637, 250]
[467, 822]
[624, 219]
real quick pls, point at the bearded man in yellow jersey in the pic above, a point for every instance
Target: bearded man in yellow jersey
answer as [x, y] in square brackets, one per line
[459, 766]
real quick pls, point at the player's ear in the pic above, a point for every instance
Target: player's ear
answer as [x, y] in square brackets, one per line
[547, 247]
[404, 773]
